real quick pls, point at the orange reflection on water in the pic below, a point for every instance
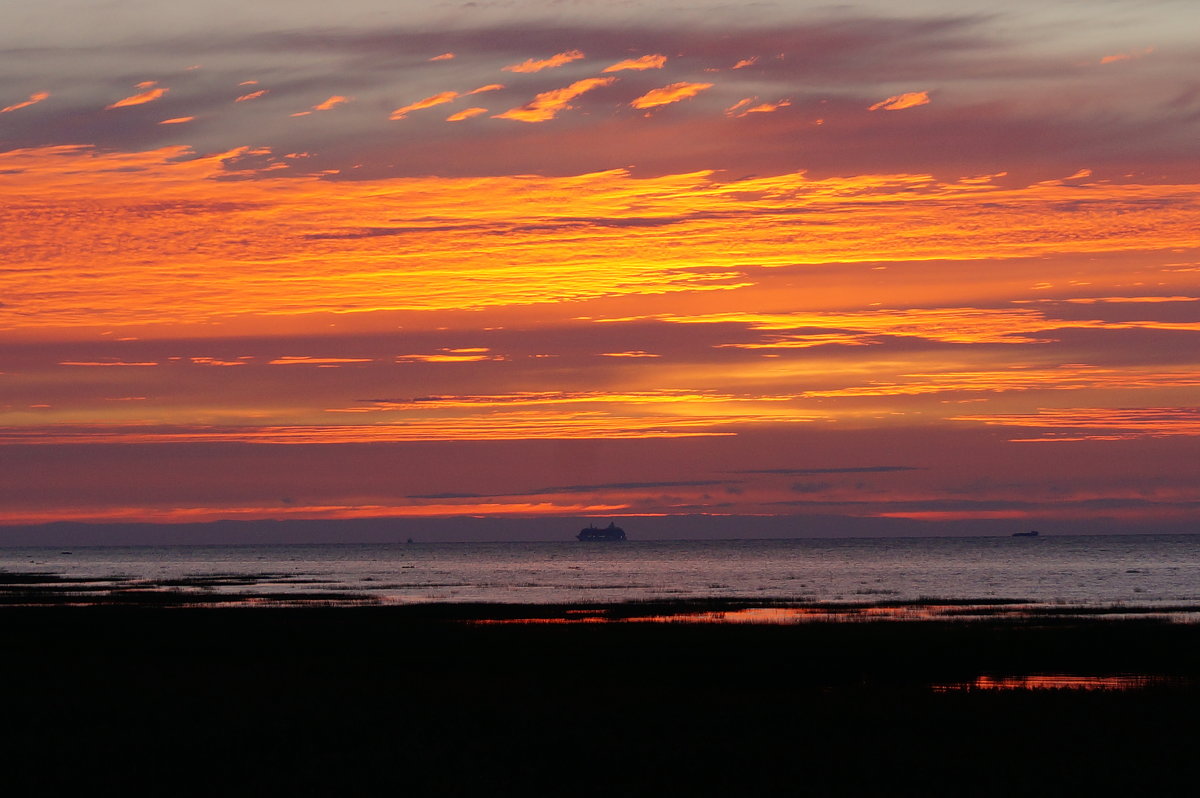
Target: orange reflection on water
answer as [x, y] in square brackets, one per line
[1053, 681]
[758, 615]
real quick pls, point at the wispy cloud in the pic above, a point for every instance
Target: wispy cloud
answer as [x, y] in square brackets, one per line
[669, 94]
[1099, 423]
[745, 62]
[899, 102]
[254, 95]
[816, 471]
[1130, 56]
[443, 57]
[179, 120]
[548, 104]
[455, 355]
[331, 103]
[642, 63]
[743, 107]
[141, 98]
[466, 113]
[305, 360]
[437, 99]
[34, 99]
[535, 65]
[118, 363]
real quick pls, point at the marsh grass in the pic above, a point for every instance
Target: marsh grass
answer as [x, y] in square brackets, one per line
[414, 700]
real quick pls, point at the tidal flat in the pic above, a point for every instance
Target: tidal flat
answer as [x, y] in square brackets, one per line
[430, 701]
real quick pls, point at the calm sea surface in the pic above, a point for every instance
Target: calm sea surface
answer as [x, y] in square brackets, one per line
[1102, 570]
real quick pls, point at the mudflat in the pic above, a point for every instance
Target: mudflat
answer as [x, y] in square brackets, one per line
[433, 701]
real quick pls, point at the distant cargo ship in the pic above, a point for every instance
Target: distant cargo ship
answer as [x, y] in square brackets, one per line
[1030, 534]
[610, 532]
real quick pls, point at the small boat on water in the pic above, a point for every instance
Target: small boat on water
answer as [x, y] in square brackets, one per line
[1033, 533]
[610, 532]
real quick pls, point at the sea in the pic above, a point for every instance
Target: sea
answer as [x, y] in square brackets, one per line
[1143, 571]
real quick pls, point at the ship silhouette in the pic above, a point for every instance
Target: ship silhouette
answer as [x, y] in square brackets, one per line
[610, 532]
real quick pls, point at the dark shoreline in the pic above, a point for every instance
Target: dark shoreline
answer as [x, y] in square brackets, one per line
[421, 700]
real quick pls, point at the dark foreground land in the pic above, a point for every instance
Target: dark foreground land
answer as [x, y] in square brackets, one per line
[350, 700]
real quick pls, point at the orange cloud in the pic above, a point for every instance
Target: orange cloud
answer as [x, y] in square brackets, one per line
[34, 98]
[743, 107]
[532, 65]
[1125, 423]
[1110, 59]
[482, 89]
[181, 515]
[1065, 378]
[254, 95]
[148, 96]
[179, 120]
[428, 102]
[105, 363]
[442, 57]
[305, 360]
[661, 396]
[221, 248]
[212, 361]
[466, 114]
[947, 325]
[524, 425]
[901, 101]
[547, 104]
[331, 103]
[669, 94]
[745, 62]
[645, 62]
[739, 105]
[462, 355]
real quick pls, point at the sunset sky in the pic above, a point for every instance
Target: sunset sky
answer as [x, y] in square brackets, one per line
[837, 266]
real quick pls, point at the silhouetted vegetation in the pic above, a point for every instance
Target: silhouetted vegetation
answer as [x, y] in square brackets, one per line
[414, 699]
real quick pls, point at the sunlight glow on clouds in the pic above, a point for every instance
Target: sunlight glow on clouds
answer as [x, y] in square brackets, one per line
[639, 64]
[536, 65]
[34, 99]
[548, 104]
[669, 94]
[440, 98]
[219, 245]
[466, 113]
[148, 96]
[765, 279]
[901, 101]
